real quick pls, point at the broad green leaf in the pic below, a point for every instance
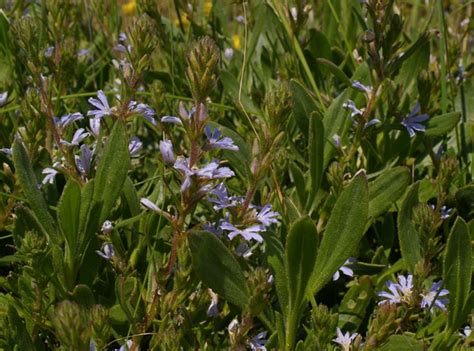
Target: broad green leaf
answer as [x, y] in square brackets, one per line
[414, 65]
[112, 170]
[402, 343]
[33, 194]
[386, 189]
[276, 259]
[83, 295]
[442, 124]
[303, 105]
[215, 265]
[301, 247]
[353, 308]
[345, 228]
[69, 210]
[335, 122]
[316, 154]
[396, 63]
[457, 272]
[130, 196]
[407, 234]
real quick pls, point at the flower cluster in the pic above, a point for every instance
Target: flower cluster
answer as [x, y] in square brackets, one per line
[402, 292]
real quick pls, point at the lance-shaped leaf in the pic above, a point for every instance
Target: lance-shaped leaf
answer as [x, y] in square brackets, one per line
[407, 234]
[457, 272]
[215, 265]
[68, 212]
[316, 154]
[304, 105]
[112, 170]
[33, 194]
[442, 124]
[345, 228]
[386, 189]
[301, 249]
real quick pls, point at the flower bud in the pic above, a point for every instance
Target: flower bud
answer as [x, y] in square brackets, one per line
[166, 149]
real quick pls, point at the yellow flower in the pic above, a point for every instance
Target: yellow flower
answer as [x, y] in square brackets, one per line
[184, 20]
[207, 7]
[236, 41]
[129, 8]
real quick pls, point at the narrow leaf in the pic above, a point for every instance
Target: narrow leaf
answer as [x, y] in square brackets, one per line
[442, 124]
[316, 154]
[407, 235]
[457, 272]
[69, 210]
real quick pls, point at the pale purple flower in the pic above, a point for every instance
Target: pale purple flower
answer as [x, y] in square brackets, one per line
[102, 105]
[399, 292]
[372, 122]
[216, 142]
[107, 251]
[240, 19]
[222, 199]
[435, 297]
[150, 205]
[94, 124]
[228, 53]
[412, 122]
[84, 160]
[126, 347]
[50, 174]
[3, 98]
[64, 121]
[79, 135]
[266, 216]
[361, 87]
[171, 119]
[134, 146]
[336, 139]
[166, 150]
[249, 233]
[49, 52]
[107, 227]
[122, 37]
[257, 343]
[445, 212]
[350, 105]
[243, 250]
[344, 269]
[146, 111]
[466, 332]
[209, 171]
[344, 340]
[83, 52]
[7, 151]
[214, 228]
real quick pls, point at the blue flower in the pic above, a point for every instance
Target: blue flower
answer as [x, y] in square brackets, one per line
[79, 136]
[350, 105]
[257, 343]
[7, 151]
[361, 87]
[84, 160]
[216, 142]
[223, 200]
[434, 297]
[249, 233]
[266, 216]
[146, 111]
[399, 292]
[412, 122]
[345, 340]
[50, 174]
[166, 150]
[209, 171]
[102, 105]
[344, 269]
[64, 121]
[48, 52]
[134, 146]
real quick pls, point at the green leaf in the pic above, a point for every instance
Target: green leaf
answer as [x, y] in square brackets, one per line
[301, 247]
[465, 202]
[18, 330]
[130, 196]
[35, 198]
[316, 154]
[386, 189]
[303, 105]
[299, 183]
[231, 86]
[442, 124]
[353, 308]
[335, 122]
[276, 259]
[215, 265]
[335, 70]
[69, 210]
[402, 343]
[112, 170]
[407, 234]
[345, 228]
[457, 272]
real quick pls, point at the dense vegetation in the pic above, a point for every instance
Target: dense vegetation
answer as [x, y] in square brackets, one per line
[288, 175]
